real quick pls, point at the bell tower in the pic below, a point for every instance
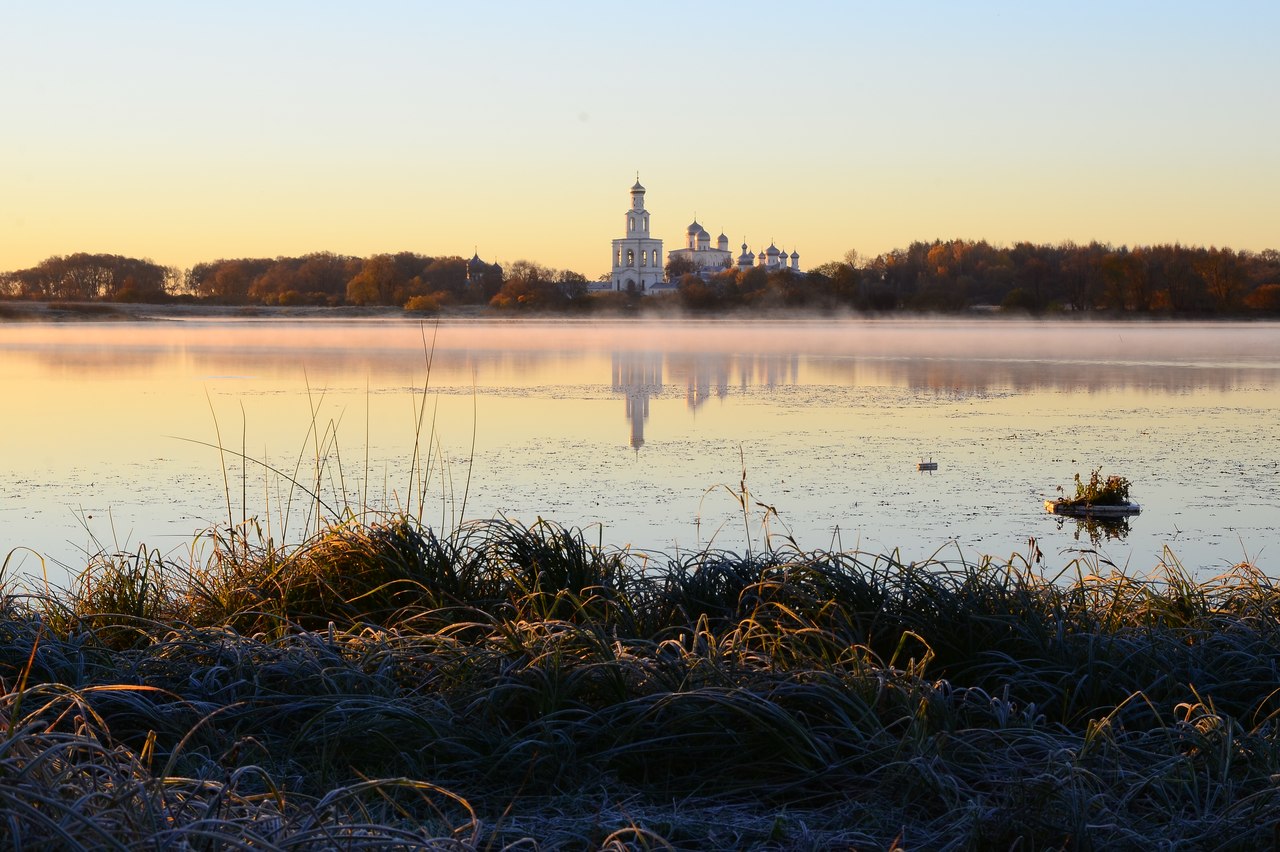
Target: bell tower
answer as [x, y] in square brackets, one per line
[637, 257]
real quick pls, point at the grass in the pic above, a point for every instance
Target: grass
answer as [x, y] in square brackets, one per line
[382, 685]
[1112, 491]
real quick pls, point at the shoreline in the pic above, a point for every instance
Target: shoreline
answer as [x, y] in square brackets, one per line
[24, 311]
[41, 311]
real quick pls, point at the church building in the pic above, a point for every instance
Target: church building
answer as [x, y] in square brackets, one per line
[698, 251]
[771, 259]
[479, 272]
[638, 261]
[637, 257]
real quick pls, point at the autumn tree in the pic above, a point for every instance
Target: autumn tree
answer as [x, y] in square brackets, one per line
[839, 281]
[325, 275]
[531, 286]
[1118, 267]
[899, 272]
[1177, 287]
[447, 275]
[226, 281]
[375, 283]
[1264, 299]
[572, 285]
[750, 283]
[84, 277]
[1223, 275]
[1035, 269]
[1081, 273]
[679, 266]
[698, 295]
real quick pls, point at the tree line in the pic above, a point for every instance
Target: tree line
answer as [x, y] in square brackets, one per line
[405, 279]
[943, 276]
[88, 277]
[961, 275]
[1170, 279]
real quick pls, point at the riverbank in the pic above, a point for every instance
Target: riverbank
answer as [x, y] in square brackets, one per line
[21, 310]
[30, 311]
[394, 686]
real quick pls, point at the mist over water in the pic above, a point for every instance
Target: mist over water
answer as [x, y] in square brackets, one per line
[647, 428]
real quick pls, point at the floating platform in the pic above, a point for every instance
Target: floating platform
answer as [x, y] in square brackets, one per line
[1091, 510]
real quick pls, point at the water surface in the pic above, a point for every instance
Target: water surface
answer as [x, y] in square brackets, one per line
[124, 433]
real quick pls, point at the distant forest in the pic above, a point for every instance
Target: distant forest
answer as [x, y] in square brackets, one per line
[941, 276]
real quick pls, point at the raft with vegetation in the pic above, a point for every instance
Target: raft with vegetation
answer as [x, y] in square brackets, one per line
[1098, 498]
[384, 686]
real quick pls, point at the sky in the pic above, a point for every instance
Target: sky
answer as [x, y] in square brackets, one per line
[190, 132]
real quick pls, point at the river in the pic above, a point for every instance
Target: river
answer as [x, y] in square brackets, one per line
[124, 434]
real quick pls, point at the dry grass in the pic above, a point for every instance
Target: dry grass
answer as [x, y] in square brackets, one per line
[383, 686]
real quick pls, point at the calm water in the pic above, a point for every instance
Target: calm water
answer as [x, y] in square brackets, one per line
[112, 431]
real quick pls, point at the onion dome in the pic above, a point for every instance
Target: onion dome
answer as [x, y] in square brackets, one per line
[475, 262]
[795, 255]
[637, 187]
[772, 250]
[693, 229]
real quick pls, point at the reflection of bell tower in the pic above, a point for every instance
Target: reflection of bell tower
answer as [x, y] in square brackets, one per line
[638, 376]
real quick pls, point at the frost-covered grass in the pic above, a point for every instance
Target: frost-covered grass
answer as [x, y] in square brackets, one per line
[384, 685]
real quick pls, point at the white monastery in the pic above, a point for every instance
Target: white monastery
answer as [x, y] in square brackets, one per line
[637, 257]
[698, 251]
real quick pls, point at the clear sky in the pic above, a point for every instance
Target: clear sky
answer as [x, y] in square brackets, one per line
[187, 132]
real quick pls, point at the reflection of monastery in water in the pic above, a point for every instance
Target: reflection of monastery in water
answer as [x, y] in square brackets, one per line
[638, 377]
